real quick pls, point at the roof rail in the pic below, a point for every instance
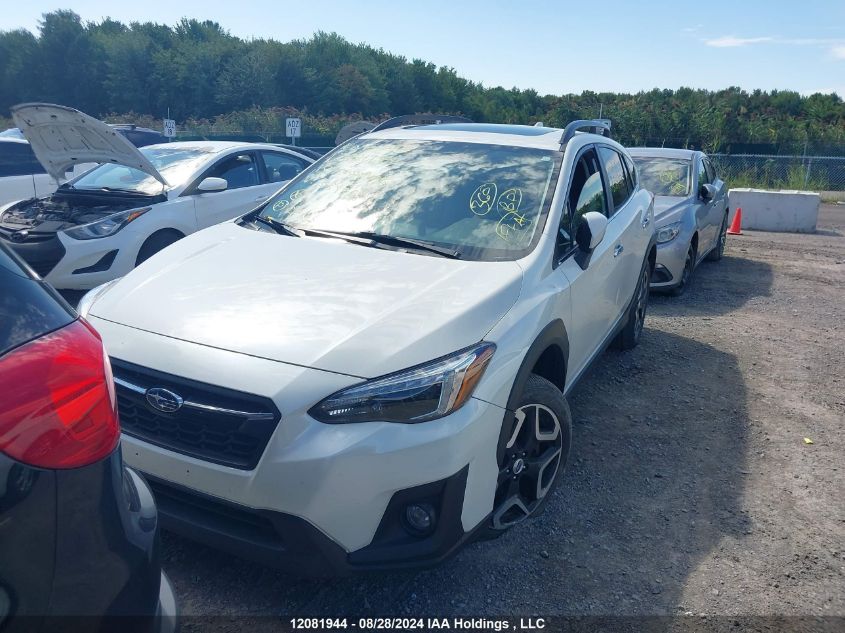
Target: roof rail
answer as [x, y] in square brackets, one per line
[591, 126]
[420, 119]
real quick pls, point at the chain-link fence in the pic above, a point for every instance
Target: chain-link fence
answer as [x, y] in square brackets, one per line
[764, 171]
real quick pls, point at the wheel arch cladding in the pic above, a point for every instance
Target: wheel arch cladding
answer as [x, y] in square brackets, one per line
[548, 356]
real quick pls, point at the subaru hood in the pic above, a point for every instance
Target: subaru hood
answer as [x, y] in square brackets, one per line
[62, 137]
[319, 303]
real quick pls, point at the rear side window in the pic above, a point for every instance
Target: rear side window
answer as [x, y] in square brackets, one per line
[616, 176]
[281, 167]
[17, 159]
[27, 309]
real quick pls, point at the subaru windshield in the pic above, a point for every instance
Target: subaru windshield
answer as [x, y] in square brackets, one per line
[484, 202]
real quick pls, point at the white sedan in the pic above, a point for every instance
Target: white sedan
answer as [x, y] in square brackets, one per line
[100, 225]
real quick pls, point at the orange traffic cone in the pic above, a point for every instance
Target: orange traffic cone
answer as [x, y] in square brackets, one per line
[736, 225]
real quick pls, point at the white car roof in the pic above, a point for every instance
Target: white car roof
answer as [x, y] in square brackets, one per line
[215, 146]
[489, 133]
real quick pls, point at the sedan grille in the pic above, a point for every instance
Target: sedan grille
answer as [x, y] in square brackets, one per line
[211, 423]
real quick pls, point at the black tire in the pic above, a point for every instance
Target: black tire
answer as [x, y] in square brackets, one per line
[719, 250]
[687, 273]
[534, 439]
[156, 242]
[629, 336]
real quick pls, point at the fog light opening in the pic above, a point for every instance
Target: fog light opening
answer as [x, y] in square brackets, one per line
[420, 519]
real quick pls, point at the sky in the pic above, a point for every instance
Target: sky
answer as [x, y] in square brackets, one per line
[554, 47]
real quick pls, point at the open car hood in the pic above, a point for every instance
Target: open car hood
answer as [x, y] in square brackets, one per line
[62, 137]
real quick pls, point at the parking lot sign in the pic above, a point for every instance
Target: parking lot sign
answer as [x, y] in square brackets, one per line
[294, 128]
[169, 128]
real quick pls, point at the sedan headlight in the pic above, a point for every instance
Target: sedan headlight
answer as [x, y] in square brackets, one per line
[668, 233]
[107, 226]
[88, 299]
[425, 392]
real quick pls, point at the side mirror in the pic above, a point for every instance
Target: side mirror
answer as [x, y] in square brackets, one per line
[590, 231]
[588, 235]
[707, 192]
[212, 184]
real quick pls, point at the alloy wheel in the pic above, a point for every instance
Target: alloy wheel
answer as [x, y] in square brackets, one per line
[529, 466]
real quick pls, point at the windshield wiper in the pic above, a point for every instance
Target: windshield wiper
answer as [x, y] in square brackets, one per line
[278, 227]
[365, 237]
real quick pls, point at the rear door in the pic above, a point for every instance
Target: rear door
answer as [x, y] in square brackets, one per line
[242, 173]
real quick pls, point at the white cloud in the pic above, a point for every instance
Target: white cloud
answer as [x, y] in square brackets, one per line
[731, 41]
[838, 52]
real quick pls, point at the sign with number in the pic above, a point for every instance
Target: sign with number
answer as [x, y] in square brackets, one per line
[169, 128]
[294, 127]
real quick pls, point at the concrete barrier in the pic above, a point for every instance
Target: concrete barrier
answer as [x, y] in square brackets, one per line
[789, 211]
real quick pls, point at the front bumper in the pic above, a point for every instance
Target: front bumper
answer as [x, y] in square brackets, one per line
[70, 264]
[671, 258]
[291, 543]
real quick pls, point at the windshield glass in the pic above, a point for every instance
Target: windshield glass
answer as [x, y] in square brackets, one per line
[483, 201]
[177, 165]
[664, 176]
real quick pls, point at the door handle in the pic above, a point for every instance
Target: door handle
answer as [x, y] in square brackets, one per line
[645, 222]
[619, 248]
[261, 198]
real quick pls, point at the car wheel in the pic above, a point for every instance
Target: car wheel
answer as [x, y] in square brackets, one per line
[532, 453]
[156, 242]
[686, 274]
[630, 335]
[719, 250]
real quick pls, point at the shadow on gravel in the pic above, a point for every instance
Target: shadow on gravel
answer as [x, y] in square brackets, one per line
[653, 485]
[718, 287]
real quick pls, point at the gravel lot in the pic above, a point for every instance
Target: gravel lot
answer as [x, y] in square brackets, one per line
[690, 487]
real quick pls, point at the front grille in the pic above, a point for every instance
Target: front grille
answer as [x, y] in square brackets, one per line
[214, 424]
[41, 251]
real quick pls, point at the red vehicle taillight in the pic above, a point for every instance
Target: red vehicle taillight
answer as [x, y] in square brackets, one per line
[57, 400]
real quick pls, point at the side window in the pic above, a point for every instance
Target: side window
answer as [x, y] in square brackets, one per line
[239, 171]
[631, 172]
[17, 159]
[615, 175]
[703, 176]
[711, 171]
[586, 193]
[281, 167]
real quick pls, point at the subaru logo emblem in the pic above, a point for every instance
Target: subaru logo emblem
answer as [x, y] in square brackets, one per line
[19, 236]
[164, 400]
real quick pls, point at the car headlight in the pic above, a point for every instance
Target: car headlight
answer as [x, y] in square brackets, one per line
[668, 233]
[88, 299]
[425, 392]
[107, 226]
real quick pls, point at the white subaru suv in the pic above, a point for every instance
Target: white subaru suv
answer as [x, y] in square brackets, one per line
[370, 369]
